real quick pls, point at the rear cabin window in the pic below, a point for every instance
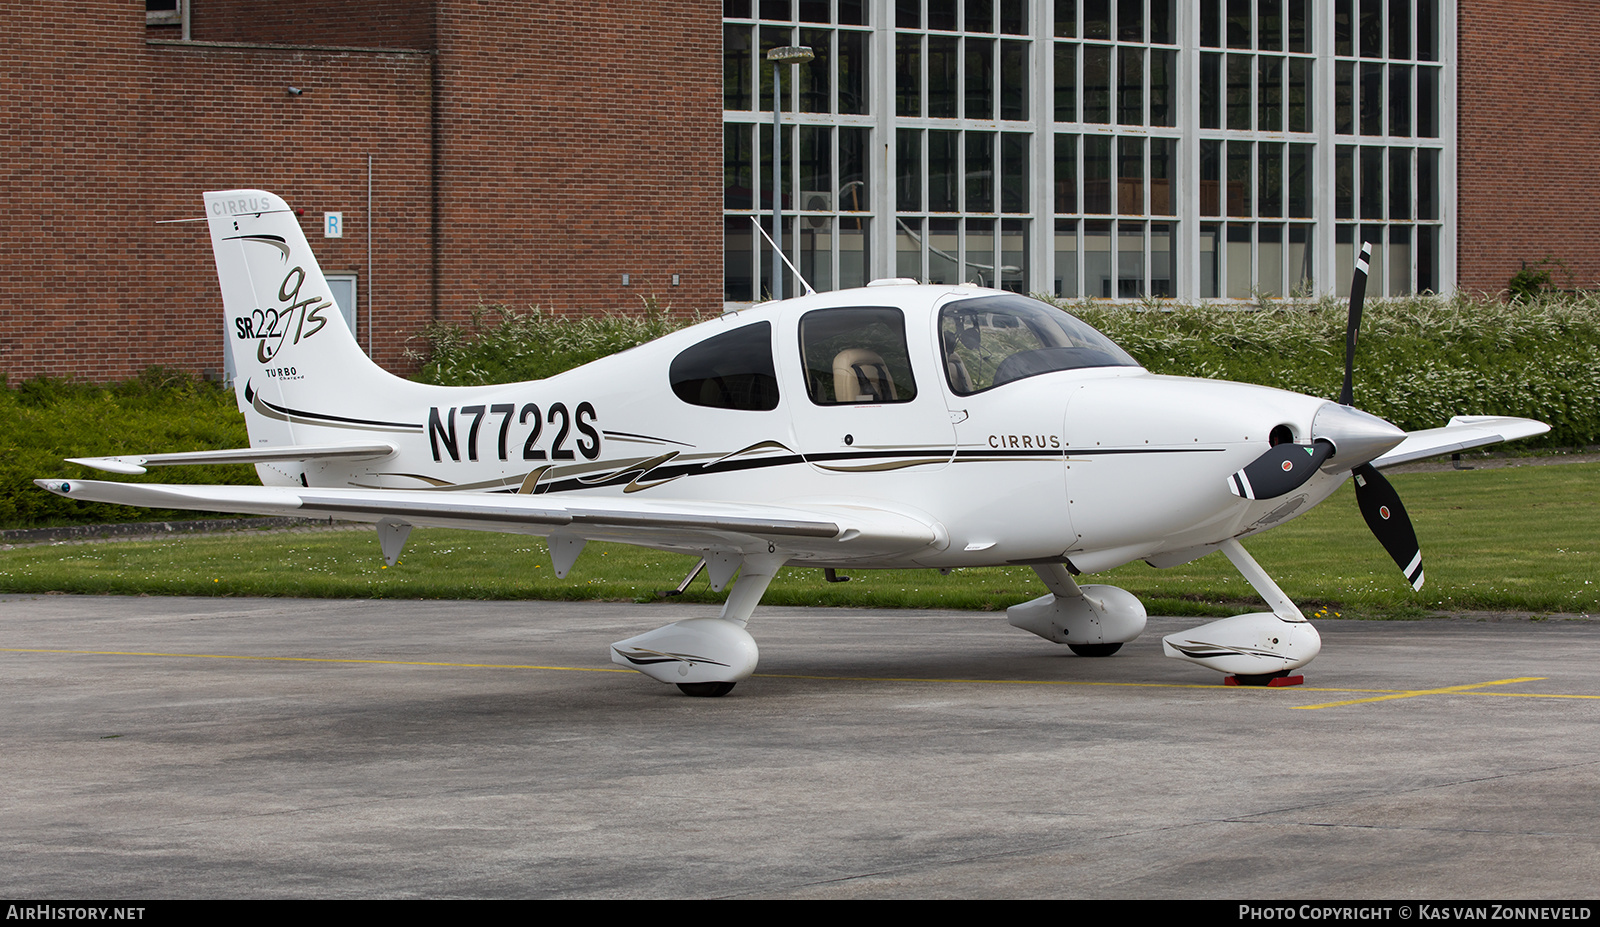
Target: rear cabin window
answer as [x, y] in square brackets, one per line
[993, 340]
[856, 356]
[732, 370]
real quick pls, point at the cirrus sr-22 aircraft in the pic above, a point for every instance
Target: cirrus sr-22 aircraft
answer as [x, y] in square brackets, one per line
[891, 426]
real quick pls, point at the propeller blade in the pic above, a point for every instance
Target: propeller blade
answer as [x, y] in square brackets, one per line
[1279, 471]
[1358, 295]
[1380, 506]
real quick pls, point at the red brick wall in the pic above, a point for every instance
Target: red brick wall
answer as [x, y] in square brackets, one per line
[1529, 132]
[570, 149]
[579, 147]
[117, 135]
[357, 23]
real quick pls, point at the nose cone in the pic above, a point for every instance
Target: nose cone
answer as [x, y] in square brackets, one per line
[1356, 435]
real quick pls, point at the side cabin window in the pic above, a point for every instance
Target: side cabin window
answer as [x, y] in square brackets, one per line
[993, 340]
[732, 370]
[856, 356]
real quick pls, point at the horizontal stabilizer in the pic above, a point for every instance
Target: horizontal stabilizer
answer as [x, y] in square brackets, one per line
[136, 463]
[1463, 433]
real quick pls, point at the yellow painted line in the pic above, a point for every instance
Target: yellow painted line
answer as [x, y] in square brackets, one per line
[1416, 692]
[1379, 696]
[229, 656]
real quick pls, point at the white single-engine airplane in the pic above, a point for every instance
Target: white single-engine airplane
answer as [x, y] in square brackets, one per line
[891, 426]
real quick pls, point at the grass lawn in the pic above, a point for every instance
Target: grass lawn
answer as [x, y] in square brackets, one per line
[1514, 539]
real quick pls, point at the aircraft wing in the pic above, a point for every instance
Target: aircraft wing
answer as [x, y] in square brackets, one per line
[1464, 432]
[823, 532]
[136, 463]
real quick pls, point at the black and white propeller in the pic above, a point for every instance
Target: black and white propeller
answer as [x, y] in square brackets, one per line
[1348, 432]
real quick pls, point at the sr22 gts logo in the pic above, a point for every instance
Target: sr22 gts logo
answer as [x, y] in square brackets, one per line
[270, 327]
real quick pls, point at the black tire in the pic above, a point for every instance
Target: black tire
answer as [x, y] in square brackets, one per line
[706, 689]
[1095, 650]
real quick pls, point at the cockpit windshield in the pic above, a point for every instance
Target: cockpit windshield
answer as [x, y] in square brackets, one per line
[993, 340]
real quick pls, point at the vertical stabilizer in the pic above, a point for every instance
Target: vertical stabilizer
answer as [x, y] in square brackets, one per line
[288, 339]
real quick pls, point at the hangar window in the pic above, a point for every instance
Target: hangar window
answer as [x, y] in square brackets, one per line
[997, 339]
[856, 356]
[732, 370]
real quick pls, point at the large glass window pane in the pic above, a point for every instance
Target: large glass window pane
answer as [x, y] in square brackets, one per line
[854, 263]
[1130, 86]
[1428, 102]
[1427, 183]
[1269, 162]
[1210, 178]
[980, 15]
[852, 12]
[1097, 174]
[1399, 29]
[1013, 80]
[1300, 257]
[1427, 259]
[1269, 259]
[735, 9]
[1130, 20]
[1066, 18]
[1130, 176]
[1300, 177]
[1014, 255]
[944, 58]
[1210, 259]
[1162, 244]
[908, 248]
[979, 65]
[1372, 183]
[852, 72]
[1161, 108]
[1269, 94]
[1210, 23]
[1399, 254]
[1066, 258]
[814, 11]
[1299, 22]
[980, 172]
[944, 178]
[1239, 31]
[1400, 183]
[1240, 200]
[764, 259]
[944, 247]
[813, 79]
[982, 264]
[1373, 235]
[738, 259]
[908, 75]
[1210, 91]
[1399, 99]
[1097, 83]
[1344, 31]
[1428, 30]
[764, 168]
[1066, 174]
[1239, 111]
[853, 168]
[738, 81]
[1300, 99]
[1097, 19]
[1344, 258]
[816, 168]
[1014, 172]
[1066, 82]
[1344, 107]
[942, 15]
[1344, 182]
[1163, 22]
[1371, 99]
[1014, 17]
[1269, 25]
[1130, 260]
[1238, 260]
[738, 166]
[768, 38]
[908, 170]
[815, 249]
[1097, 278]
[775, 9]
[908, 14]
[1371, 28]
[1163, 166]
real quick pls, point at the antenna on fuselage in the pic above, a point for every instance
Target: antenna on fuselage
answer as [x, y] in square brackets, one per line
[792, 268]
